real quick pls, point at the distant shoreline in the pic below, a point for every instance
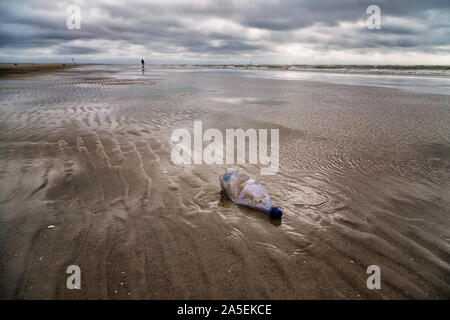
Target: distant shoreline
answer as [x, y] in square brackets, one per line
[18, 70]
[416, 70]
[12, 70]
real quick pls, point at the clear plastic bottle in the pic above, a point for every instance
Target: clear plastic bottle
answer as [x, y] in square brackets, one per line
[245, 191]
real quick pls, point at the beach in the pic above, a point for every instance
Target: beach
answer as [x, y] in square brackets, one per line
[20, 70]
[86, 179]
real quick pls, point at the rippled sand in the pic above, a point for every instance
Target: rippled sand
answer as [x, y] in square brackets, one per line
[364, 179]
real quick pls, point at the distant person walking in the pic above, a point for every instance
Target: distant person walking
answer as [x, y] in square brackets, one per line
[142, 62]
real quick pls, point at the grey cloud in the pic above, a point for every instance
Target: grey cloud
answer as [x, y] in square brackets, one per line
[68, 50]
[167, 28]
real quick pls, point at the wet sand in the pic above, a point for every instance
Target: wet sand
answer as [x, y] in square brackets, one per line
[20, 70]
[364, 179]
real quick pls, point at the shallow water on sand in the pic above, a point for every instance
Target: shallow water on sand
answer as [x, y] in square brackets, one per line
[438, 84]
[364, 179]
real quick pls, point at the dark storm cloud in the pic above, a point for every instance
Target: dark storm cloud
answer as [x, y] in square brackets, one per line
[292, 14]
[219, 28]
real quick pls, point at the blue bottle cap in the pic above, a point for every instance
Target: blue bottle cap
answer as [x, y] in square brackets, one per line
[275, 213]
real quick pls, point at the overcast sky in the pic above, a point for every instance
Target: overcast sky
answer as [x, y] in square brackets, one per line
[227, 31]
